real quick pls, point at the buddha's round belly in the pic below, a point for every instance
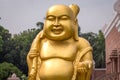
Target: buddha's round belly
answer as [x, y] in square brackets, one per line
[56, 69]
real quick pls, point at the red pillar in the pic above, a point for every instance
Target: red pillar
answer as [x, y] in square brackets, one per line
[114, 61]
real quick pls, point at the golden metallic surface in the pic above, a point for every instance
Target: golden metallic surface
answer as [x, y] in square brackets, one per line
[57, 53]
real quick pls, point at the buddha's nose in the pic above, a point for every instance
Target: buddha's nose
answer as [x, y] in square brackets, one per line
[56, 23]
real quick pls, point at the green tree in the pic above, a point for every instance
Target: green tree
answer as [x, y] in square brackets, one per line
[4, 42]
[99, 54]
[6, 70]
[1, 44]
[40, 25]
[14, 49]
[19, 47]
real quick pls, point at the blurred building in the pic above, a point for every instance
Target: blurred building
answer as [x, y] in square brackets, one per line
[112, 42]
[13, 77]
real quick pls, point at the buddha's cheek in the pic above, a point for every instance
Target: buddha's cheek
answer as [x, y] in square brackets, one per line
[56, 69]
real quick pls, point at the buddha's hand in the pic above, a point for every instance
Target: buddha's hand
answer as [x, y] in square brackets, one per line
[32, 74]
[83, 67]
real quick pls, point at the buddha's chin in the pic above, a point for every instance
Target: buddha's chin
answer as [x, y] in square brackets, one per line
[58, 37]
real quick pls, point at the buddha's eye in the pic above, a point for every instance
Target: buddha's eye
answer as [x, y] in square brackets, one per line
[64, 17]
[51, 18]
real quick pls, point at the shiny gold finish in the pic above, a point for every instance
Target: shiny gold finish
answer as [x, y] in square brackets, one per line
[57, 53]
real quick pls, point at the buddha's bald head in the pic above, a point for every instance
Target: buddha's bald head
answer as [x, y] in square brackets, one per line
[58, 10]
[61, 22]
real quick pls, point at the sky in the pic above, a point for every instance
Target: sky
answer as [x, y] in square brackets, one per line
[20, 15]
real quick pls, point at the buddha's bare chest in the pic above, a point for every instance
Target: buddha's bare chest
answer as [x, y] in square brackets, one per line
[64, 51]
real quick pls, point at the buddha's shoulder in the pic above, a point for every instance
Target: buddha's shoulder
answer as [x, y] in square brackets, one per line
[82, 43]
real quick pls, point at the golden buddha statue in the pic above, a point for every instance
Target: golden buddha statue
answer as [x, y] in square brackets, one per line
[57, 52]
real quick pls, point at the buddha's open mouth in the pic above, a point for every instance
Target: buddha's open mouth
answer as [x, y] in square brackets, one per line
[57, 30]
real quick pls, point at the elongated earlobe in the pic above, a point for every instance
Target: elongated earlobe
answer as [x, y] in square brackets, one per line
[75, 8]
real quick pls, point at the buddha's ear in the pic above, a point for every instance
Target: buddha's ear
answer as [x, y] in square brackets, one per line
[75, 8]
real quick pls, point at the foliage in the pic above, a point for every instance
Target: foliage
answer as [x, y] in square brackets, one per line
[14, 49]
[99, 53]
[4, 42]
[7, 69]
[4, 33]
[20, 45]
[1, 43]
[24, 77]
[40, 25]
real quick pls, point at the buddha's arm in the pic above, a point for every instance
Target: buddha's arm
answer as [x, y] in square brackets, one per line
[86, 60]
[32, 63]
[32, 57]
[85, 66]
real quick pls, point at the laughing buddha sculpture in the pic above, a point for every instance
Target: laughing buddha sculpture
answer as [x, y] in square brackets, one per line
[57, 52]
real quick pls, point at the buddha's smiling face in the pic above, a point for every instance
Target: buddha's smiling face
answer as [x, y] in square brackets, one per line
[59, 23]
